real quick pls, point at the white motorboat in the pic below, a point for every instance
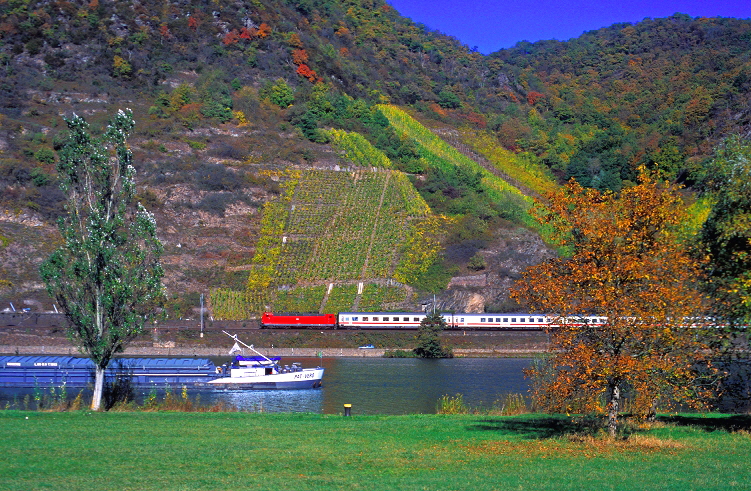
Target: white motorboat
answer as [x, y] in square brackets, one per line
[261, 372]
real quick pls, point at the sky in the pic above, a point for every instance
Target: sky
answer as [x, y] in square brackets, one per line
[491, 25]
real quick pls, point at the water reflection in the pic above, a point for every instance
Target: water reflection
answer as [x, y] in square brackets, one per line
[404, 386]
[273, 401]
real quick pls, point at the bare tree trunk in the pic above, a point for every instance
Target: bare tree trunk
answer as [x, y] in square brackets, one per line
[96, 399]
[613, 408]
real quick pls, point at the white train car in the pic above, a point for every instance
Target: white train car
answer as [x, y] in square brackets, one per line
[462, 321]
[519, 321]
[380, 320]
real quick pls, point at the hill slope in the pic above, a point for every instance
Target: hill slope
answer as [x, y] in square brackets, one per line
[234, 99]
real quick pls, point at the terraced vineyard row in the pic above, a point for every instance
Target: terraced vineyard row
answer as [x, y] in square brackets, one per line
[438, 153]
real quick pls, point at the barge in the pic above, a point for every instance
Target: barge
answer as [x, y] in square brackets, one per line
[243, 372]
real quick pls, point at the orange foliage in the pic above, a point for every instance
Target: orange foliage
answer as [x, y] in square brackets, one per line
[264, 30]
[438, 109]
[193, 22]
[294, 40]
[299, 56]
[627, 265]
[343, 51]
[231, 37]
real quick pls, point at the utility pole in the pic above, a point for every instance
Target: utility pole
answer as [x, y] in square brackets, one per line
[201, 314]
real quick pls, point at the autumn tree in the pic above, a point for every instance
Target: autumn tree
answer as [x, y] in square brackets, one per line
[628, 265]
[106, 275]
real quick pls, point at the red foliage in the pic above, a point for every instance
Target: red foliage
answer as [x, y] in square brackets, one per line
[164, 30]
[231, 37]
[305, 71]
[477, 119]
[193, 23]
[247, 34]
[534, 96]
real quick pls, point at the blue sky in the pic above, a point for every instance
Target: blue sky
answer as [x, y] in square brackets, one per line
[492, 25]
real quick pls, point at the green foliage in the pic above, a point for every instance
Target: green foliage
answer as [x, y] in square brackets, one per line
[279, 93]
[357, 149]
[428, 338]
[45, 156]
[106, 276]
[448, 100]
[726, 235]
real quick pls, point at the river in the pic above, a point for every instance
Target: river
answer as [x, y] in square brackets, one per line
[371, 385]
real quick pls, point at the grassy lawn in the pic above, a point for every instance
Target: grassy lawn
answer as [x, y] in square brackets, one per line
[174, 450]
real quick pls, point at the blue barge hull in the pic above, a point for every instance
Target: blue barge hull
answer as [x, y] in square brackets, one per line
[56, 371]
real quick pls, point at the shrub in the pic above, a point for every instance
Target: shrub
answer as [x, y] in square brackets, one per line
[216, 177]
[216, 203]
[45, 156]
[452, 405]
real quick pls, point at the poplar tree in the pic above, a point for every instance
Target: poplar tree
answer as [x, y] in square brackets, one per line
[106, 275]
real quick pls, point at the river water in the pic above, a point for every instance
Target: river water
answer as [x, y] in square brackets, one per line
[371, 385]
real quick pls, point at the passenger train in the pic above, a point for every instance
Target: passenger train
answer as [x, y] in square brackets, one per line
[412, 320]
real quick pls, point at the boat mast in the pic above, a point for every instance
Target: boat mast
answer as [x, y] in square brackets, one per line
[250, 347]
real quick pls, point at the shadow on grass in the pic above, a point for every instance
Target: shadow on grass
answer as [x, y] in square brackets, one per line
[729, 423]
[538, 427]
[534, 427]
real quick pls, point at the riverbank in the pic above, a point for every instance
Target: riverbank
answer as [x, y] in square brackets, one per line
[174, 450]
[305, 343]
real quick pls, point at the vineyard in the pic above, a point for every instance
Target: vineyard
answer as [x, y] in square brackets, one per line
[337, 240]
[331, 237]
[436, 152]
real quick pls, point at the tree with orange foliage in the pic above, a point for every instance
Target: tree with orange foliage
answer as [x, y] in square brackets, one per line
[299, 56]
[264, 30]
[232, 37]
[628, 265]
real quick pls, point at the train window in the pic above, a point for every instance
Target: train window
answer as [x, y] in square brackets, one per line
[354, 319]
[498, 319]
[346, 319]
[521, 319]
[482, 319]
[365, 319]
[541, 321]
[416, 319]
[505, 319]
[375, 318]
[513, 319]
[405, 319]
[461, 320]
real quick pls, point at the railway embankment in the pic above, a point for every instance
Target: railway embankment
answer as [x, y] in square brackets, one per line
[179, 341]
[203, 351]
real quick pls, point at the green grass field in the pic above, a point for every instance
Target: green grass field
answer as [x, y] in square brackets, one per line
[250, 451]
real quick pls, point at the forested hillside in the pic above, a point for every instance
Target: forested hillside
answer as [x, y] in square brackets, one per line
[319, 154]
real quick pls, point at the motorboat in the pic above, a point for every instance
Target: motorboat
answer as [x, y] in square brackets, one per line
[262, 372]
